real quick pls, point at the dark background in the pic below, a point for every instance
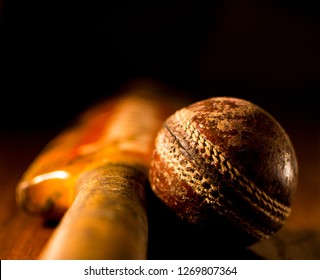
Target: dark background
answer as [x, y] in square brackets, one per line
[57, 57]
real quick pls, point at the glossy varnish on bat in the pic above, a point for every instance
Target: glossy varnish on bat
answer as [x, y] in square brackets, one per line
[96, 170]
[117, 129]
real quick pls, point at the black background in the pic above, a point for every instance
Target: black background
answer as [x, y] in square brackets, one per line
[57, 57]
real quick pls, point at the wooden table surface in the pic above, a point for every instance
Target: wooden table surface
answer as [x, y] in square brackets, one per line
[23, 236]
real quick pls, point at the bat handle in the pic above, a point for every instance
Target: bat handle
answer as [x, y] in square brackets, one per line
[108, 218]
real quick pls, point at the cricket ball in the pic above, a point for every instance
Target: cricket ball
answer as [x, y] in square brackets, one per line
[225, 163]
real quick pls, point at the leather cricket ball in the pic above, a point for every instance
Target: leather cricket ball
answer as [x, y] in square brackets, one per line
[226, 164]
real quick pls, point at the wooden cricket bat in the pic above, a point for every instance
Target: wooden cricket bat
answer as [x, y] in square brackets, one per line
[92, 177]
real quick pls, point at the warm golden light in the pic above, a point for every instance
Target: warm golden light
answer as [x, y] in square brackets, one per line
[59, 174]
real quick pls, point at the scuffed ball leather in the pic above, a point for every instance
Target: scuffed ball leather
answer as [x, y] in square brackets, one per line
[226, 159]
